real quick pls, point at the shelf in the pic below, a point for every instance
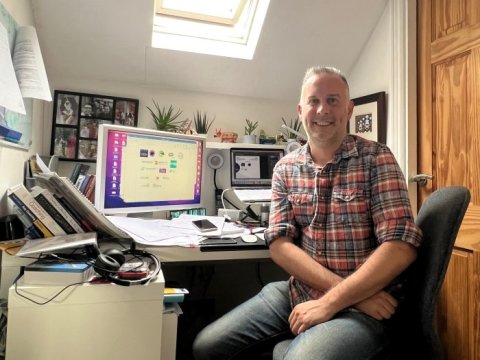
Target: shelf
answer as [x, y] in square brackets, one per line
[220, 145]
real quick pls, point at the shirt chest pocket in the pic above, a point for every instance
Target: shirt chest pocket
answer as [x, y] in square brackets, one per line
[350, 205]
[302, 207]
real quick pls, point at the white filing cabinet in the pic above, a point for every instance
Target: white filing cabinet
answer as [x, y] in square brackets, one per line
[92, 321]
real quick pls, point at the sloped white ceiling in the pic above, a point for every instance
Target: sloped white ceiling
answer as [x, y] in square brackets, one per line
[110, 39]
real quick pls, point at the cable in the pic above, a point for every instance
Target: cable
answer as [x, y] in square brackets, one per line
[223, 199]
[215, 179]
[20, 274]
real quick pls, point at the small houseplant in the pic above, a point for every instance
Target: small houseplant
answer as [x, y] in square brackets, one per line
[295, 124]
[201, 122]
[165, 119]
[249, 137]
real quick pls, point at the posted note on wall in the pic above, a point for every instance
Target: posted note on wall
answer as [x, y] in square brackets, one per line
[10, 94]
[24, 76]
[29, 66]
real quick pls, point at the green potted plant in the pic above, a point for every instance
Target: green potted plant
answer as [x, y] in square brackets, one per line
[295, 124]
[249, 137]
[165, 119]
[201, 122]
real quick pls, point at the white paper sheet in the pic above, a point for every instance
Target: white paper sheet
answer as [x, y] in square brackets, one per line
[176, 232]
[29, 66]
[10, 95]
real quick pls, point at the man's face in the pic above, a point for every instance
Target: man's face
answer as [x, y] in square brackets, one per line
[325, 109]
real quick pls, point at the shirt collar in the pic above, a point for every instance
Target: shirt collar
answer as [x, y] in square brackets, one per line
[347, 149]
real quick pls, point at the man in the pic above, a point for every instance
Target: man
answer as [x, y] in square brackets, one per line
[341, 225]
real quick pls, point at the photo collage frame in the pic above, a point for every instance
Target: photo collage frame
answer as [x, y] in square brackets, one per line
[76, 118]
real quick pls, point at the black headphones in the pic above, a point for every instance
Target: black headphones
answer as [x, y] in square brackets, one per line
[108, 263]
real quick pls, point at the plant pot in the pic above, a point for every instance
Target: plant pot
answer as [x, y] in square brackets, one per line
[250, 139]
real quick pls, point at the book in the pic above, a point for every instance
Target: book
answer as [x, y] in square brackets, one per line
[55, 272]
[65, 189]
[85, 183]
[90, 189]
[80, 179]
[37, 214]
[59, 208]
[78, 169]
[30, 229]
[30, 215]
[86, 226]
[174, 295]
[38, 194]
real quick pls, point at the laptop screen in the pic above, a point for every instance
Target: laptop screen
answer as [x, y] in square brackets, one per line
[253, 167]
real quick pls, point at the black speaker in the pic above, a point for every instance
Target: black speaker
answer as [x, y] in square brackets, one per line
[215, 161]
[108, 265]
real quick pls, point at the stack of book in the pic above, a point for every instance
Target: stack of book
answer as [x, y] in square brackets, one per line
[57, 208]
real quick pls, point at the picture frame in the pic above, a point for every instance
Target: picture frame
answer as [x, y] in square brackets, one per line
[75, 121]
[369, 117]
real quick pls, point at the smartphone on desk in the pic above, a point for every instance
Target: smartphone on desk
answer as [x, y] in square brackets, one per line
[204, 225]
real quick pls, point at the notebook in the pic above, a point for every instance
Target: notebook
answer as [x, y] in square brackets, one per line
[251, 172]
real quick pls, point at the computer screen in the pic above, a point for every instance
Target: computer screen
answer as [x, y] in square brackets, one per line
[253, 167]
[143, 170]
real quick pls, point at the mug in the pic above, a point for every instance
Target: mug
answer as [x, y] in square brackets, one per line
[11, 228]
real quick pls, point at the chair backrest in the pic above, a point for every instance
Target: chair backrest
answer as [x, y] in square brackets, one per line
[439, 218]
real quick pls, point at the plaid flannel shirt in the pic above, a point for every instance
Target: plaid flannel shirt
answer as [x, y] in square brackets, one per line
[341, 213]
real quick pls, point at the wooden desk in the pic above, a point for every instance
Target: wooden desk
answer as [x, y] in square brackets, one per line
[194, 254]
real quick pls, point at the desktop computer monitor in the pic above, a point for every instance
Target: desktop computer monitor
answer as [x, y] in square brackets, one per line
[143, 170]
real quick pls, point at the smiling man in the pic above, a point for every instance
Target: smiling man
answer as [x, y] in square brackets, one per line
[341, 225]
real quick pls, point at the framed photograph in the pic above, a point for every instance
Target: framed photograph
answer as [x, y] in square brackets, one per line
[369, 117]
[76, 118]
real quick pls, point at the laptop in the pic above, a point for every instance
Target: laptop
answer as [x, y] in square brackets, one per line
[251, 172]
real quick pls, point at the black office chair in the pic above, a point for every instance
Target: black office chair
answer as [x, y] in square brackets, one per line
[440, 218]
[413, 326]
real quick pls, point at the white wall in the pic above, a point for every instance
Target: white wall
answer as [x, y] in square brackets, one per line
[12, 158]
[373, 72]
[388, 63]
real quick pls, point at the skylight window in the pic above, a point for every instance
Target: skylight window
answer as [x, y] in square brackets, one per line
[216, 27]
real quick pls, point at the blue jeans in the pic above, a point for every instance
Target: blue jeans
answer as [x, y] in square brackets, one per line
[349, 335]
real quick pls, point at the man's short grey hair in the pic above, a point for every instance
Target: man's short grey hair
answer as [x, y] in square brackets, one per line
[317, 70]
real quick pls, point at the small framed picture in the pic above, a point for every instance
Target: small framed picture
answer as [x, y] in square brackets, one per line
[126, 112]
[87, 150]
[77, 116]
[66, 105]
[369, 117]
[65, 142]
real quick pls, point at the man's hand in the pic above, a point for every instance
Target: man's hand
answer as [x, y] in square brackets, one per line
[380, 306]
[305, 315]
[308, 314]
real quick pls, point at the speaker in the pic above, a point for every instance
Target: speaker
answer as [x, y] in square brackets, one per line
[108, 265]
[215, 161]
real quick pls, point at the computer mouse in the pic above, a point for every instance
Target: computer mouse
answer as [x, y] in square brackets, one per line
[249, 238]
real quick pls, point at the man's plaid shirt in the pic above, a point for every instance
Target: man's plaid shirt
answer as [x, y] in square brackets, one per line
[341, 213]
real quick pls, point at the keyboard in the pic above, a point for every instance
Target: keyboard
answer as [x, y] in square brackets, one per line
[253, 195]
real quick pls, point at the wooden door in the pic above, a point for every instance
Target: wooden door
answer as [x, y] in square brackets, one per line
[448, 50]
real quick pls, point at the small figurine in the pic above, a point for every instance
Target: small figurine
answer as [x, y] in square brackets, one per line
[226, 137]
